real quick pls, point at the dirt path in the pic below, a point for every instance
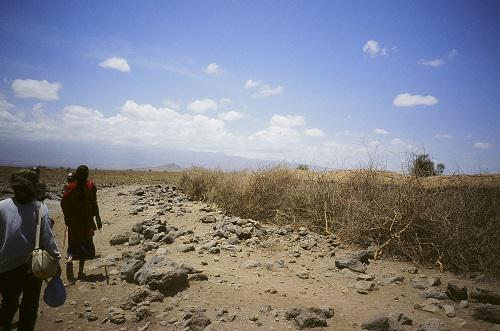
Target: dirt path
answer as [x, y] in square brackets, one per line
[245, 290]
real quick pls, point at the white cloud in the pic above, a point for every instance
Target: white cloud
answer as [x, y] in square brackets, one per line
[172, 104]
[483, 145]
[249, 84]
[144, 125]
[37, 89]
[269, 91]
[453, 54]
[373, 48]
[5, 105]
[314, 132]
[117, 63]
[442, 136]
[37, 106]
[380, 131]
[230, 116]
[397, 141]
[202, 106]
[213, 69]
[287, 121]
[408, 100]
[225, 102]
[432, 63]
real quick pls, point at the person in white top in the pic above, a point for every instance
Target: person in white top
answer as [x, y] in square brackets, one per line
[18, 222]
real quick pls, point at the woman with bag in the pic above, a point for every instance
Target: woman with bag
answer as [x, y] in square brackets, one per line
[18, 237]
[79, 206]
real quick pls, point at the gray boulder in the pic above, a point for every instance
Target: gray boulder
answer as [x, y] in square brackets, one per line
[485, 295]
[433, 324]
[115, 315]
[161, 274]
[129, 269]
[350, 263]
[194, 320]
[310, 317]
[378, 322]
[488, 313]
[456, 292]
[119, 239]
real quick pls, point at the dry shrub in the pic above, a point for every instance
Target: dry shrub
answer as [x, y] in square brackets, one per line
[454, 223]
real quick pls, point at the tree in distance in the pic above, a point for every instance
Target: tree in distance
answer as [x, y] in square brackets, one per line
[423, 166]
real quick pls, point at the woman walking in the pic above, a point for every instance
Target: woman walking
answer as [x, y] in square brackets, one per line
[79, 206]
[18, 226]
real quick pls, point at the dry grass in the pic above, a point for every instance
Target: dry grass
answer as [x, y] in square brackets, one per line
[450, 220]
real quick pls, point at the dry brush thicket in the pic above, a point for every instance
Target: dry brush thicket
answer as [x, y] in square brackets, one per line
[453, 221]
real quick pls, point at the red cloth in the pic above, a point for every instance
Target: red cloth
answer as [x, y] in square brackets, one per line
[79, 207]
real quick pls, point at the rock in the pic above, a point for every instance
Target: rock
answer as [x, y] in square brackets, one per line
[198, 277]
[149, 246]
[378, 322]
[485, 295]
[277, 265]
[149, 232]
[488, 313]
[134, 239]
[139, 294]
[418, 284]
[393, 279]
[168, 239]
[363, 287]
[308, 244]
[233, 240]
[434, 281]
[430, 305]
[251, 264]
[364, 256]
[119, 239]
[400, 318]
[302, 274]
[142, 311]
[231, 248]
[194, 320]
[158, 237]
[271, 290]
[186, 248]
[129, 269]
[136, 255]
[456, 292]
[265, 309]
[463, 304]
[311, 317]
[214, 250]
[449, 310]
[163, 275]
[352, 264]
[243, 233]
[90, 316]
[210, 218]
[116, 315]
[433, 324]
[435, 293]
[412, 270]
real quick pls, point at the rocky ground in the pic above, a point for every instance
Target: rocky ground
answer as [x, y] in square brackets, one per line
[176, 264]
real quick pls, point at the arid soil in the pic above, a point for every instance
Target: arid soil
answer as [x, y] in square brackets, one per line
[242, 275]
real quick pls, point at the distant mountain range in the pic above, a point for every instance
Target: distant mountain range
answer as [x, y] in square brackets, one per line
[69, 154]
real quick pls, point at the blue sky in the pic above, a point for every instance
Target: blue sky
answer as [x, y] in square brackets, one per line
[326, 82]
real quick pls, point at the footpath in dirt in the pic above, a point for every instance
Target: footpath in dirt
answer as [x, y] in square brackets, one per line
[175, 264]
